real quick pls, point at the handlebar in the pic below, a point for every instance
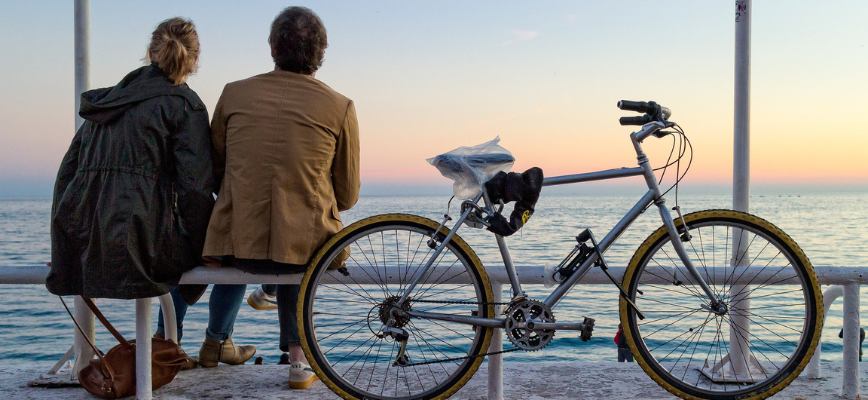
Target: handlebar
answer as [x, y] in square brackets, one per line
[652, 110]
[638, 106]
[636, 120]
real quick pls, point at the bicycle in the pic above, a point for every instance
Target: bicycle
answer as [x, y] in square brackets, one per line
[399, 306]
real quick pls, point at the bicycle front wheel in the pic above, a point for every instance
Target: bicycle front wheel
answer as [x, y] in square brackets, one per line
[751, 348]
[344, 312]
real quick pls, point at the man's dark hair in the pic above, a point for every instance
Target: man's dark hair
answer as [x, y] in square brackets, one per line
[298, 40]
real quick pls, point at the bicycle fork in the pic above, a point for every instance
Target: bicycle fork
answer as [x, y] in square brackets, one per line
[715, 305]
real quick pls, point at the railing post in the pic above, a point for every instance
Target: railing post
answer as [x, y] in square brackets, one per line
[741, 140]
[829, 297]
[851, 383]
[83, 351]
[82, 53]
[495, 362]
[739, 355]
[739, 333]
[170, 323]
[143, 349]
[81, 22]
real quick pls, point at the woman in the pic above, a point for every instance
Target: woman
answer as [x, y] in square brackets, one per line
[133, 194]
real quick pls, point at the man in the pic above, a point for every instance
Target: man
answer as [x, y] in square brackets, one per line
[287, 147]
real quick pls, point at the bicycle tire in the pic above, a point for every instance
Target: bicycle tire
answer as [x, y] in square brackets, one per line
[808, 331]
[322, 361]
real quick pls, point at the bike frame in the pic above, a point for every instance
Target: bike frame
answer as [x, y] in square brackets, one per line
[652, 196]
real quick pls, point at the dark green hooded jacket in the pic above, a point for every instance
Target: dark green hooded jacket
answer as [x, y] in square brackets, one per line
[134, 192]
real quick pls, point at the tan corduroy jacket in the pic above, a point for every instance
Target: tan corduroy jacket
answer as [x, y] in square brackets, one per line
[287, 147]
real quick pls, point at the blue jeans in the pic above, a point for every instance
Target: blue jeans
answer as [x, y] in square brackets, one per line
[225, 301]
[624, 354]
[223, 308]
[287, 306]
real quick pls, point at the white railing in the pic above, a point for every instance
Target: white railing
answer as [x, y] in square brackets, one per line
[850, 278]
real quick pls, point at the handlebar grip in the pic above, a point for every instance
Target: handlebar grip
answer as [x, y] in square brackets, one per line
[638, 106]
[636, 120]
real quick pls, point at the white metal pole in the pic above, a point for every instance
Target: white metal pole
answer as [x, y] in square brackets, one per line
[143, 349]
[850, 385]
[83, 352]
[170, 323]
[495, 362]
[740, 332]
[829, 297]
[82, 54]
[741, 142]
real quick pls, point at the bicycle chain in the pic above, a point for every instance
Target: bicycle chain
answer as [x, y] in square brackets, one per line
[501, 303]
[491, 353]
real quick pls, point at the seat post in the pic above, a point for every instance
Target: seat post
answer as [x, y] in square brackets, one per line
[504, 254]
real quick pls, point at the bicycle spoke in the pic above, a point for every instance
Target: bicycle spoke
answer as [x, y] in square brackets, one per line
[687, 277]
[353, 292]
[701, 329]
[646, 322]
[749, 314]
[379, 281]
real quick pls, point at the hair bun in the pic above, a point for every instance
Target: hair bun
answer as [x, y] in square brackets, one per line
[174, 48]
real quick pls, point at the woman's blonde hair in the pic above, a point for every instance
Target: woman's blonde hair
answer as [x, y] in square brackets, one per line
[175, 48]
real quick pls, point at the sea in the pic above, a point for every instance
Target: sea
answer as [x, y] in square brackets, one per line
[830, 227]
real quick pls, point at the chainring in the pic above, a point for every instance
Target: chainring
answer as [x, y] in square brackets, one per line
[518, 314]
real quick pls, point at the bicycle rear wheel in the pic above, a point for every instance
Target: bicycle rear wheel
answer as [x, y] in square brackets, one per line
[343, 315]
[752, 349]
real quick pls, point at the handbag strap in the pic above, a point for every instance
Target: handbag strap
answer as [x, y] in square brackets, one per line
[104, 321]
[96, 351]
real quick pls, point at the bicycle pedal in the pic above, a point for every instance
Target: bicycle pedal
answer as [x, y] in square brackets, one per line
[587, 329]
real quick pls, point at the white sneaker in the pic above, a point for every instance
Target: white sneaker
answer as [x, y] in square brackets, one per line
[301, 376]
[261, 301]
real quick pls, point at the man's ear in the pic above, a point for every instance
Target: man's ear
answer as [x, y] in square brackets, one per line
[271, 46]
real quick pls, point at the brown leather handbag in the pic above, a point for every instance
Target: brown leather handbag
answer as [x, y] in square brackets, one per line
[113, 375]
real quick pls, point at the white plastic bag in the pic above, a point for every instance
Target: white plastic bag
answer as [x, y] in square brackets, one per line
[470, 167]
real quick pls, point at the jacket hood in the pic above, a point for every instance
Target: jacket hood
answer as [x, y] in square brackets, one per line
[106, 104]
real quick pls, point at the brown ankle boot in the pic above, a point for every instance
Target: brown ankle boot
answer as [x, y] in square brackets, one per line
[214, 352]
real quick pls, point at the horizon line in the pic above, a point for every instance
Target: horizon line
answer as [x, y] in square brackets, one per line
[41, 191]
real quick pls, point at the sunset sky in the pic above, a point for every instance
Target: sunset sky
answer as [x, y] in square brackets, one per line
[431, 76]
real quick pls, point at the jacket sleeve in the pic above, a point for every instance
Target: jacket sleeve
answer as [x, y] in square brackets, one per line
[194, 173]
[218, 141]
[67, 169]
[345, 166]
